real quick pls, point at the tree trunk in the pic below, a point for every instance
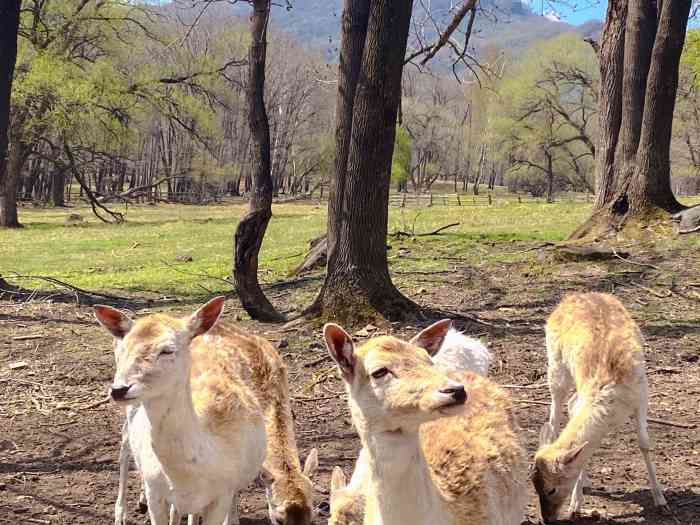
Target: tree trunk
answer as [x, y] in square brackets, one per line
[550, 177]
[650, 82]
[251, 229]
[611, 59]
[9, 24]
[58, 185]
[358, 284]
[651, 186]
[639, 41]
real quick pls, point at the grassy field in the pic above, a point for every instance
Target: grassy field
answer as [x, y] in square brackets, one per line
[151, 251]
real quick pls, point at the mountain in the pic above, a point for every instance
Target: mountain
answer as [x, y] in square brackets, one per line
[508, 25]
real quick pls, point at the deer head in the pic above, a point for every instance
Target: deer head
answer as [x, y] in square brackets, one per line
[290, 497]
[392, 384]
[152, 353]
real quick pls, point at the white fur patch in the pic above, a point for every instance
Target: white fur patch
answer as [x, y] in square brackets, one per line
[459, 352]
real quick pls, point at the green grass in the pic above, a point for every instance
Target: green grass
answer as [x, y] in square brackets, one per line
[142, 254]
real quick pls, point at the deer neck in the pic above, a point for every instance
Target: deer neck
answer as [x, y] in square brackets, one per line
[594, 418]
[176, 435]
[400, 490]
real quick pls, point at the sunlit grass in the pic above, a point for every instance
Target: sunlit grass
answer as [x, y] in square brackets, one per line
[150, 251]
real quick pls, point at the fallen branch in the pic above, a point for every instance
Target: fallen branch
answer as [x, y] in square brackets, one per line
[535, 386]
[434, 232]
[437, 232]
[630, 261]
[670, 423]
[96, 404]
[532, 402]
[80, 295]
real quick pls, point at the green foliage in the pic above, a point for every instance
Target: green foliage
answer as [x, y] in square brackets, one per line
[401, 161]
[544, 108]
[691, 53]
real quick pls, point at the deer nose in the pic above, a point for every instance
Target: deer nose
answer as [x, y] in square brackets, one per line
[118, 392]
[457, 392]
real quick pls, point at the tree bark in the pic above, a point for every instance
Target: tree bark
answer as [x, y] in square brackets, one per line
[58, 185]
[640, 32]
[611, 60]
[9, 25]
[358, 284]
[251, 229]
[653, 46]
[651, 186]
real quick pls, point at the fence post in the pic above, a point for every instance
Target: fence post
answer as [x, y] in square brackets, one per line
[459, 202]
[431, 199]
[403, 201]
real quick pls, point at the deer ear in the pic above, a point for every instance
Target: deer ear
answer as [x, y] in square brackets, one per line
[338, 480]
[203, 319]
[116, 322]
[340, 346]
[431, 338]
[311, 463]
[570, 460]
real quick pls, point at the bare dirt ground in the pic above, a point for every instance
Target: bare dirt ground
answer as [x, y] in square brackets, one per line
[58, 450]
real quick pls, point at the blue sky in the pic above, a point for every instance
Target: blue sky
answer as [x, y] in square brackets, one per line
[573, 11]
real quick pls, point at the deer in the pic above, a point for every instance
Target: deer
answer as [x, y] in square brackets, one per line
[457, 352]
[594, 347]
[289, 490]
[441, 447]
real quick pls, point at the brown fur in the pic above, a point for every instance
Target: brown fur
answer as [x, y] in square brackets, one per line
[466, 450]
[262, 367]
[591, 338]
[475, 458]
[596, 334]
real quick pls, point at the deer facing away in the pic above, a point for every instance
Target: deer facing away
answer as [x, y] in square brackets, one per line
[431, 458]
[594, 347]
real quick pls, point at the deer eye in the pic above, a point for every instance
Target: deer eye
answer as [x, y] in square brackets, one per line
[552, 492]
[380, 373]
[166, 351]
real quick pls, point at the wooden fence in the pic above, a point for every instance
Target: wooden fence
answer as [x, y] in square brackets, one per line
[418, 200]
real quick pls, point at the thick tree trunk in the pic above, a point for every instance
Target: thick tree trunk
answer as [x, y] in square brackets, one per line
[611, 59]
[639, 41]
[358, 284]
[649, 89]
[9, 24]
[651, 185]
[251, 230]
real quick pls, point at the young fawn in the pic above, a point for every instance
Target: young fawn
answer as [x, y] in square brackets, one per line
[457, 352]
[289, 490]
[198, 434]
[594, 346]
[431, 458]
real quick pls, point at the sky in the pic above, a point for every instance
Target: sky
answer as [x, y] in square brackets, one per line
[573, 11]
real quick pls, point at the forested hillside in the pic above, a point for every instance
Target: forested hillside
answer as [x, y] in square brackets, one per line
[507, 24]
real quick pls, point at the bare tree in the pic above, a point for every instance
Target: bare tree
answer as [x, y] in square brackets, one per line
[251, 229]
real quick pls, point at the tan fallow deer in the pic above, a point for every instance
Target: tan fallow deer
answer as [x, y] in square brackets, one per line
[457, 352]
[198, 434]
[442, 447]
[595, 348]
[229, 372]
